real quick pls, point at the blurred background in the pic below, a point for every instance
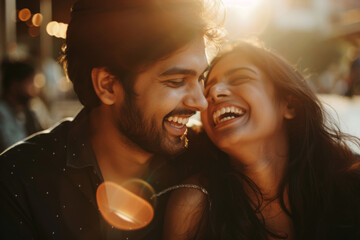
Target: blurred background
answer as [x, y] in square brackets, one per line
[320, 37]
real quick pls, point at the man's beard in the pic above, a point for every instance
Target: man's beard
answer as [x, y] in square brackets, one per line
[144, 133]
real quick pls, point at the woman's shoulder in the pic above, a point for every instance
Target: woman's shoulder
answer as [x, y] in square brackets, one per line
[185, 209]
[191, 193]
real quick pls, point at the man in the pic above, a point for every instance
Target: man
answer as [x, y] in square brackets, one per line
[135, 66]
[17, 120]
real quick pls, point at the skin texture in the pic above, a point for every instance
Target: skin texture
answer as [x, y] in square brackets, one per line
[161, 92]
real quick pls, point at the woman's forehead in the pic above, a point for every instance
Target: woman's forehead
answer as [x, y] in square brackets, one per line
[231, 62]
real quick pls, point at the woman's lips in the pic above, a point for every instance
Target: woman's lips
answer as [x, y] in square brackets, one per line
[227, 113]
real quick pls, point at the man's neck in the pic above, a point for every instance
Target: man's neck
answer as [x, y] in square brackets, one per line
[118, 158]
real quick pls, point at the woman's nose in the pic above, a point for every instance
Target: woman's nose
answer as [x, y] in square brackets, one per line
[217, 92]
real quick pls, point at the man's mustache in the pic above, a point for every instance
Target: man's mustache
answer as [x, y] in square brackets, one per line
[180, 112]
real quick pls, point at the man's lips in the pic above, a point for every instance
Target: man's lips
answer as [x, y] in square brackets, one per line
[176, 124]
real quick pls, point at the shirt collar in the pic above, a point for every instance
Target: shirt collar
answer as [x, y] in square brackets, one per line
[79, 150]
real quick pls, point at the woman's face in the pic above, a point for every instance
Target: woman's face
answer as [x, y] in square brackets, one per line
[242, 108]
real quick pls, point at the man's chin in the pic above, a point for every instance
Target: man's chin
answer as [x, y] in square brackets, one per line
[172, 148]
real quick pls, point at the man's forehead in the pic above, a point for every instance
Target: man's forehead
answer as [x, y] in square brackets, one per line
[191, 57]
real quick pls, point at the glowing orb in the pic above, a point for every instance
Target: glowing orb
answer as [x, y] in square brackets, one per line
[24, 14]
[37, 19]
[124, 207]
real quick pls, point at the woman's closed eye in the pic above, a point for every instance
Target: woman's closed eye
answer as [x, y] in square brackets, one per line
[239, 79]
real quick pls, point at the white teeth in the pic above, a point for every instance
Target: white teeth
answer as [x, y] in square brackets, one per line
[225, 119]
[178, 120]
[223, 110]
[218, 113]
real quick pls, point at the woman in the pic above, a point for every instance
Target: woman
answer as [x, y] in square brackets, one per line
[281, 171]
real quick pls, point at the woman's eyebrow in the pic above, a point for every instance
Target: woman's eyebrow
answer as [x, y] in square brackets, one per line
[229, 73]
[234, 70]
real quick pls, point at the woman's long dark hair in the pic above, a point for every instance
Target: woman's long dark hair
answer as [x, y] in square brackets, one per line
[322, 175]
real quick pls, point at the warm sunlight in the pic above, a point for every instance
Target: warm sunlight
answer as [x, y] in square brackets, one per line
[246, 17]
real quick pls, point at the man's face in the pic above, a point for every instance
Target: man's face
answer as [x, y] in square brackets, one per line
[167, 94]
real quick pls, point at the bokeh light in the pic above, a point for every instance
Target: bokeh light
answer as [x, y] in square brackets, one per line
[39, 80]
[52, 28]
[62, 31]
[24, 14]
[37, 19]
[57, 29]
[125, 207]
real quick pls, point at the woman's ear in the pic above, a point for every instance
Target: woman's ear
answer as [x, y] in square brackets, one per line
[289, 111]
[103, 83]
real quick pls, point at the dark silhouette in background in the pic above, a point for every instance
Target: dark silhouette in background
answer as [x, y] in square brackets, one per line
[354, 78]
[17, 121]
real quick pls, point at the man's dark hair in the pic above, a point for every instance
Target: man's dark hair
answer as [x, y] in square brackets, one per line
[126, 36]
[16, 71]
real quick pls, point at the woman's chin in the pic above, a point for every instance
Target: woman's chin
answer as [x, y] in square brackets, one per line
[224, 144]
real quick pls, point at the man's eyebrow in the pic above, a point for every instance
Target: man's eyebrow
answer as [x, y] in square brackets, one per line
[177, 70]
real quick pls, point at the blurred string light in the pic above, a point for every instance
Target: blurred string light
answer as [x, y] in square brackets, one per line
[57, 29]
[37, 19]
[246, 17]
[24, 14]
[33, 21]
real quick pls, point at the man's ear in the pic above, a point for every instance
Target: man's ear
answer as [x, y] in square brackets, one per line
[289, 111]
[104, 84]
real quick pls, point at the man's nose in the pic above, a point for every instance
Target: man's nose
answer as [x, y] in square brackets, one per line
[195, 99]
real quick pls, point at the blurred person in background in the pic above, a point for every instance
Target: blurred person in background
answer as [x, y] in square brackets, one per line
[17, 120]
[135, 66]
[331, 81]
[354, 78]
